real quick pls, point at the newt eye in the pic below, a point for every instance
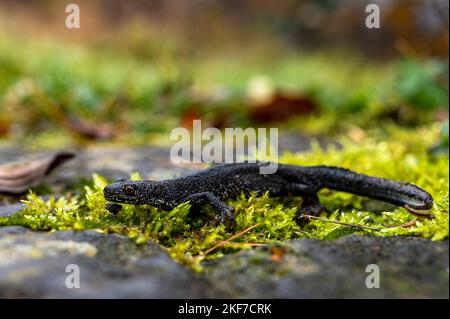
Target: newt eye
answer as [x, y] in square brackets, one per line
[128, 190]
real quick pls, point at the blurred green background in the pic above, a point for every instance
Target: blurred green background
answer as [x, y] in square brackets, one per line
[137, 69]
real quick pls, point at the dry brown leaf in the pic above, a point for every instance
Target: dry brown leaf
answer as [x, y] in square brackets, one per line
[18, 177]
[277, 253]
[281, 107]
[90, 130]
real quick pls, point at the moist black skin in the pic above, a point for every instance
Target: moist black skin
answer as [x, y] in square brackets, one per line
[216, 184]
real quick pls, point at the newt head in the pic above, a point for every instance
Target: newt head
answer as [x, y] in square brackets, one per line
[122, 192]
[134, 192]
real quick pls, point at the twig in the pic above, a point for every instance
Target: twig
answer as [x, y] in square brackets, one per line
[210, 250]
[409, 224]
[404, 225]
[341, 223]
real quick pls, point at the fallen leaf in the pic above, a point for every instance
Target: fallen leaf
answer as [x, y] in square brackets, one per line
[16, 178]
[89, 130]
[281, 107]
[5, 127]
[189, 115]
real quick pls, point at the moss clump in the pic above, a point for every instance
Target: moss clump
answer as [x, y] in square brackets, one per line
[191, 239]
[404, 157]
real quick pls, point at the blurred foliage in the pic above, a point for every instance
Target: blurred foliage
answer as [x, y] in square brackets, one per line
[261, 220]
[442, 145]
[47, 88]
[418, 84]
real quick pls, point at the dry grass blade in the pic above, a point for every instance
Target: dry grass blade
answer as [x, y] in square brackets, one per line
[220, 244]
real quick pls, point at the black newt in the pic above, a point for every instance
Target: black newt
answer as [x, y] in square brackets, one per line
[216, 184]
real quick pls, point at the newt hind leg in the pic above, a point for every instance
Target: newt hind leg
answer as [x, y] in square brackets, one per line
[311, 205]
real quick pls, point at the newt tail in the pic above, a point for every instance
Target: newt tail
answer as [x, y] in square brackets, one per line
[408, 195]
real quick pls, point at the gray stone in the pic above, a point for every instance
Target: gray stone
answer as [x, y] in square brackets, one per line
[409, 268]
[294, 141]
[33, 265]
[9, 152]
[9, 210]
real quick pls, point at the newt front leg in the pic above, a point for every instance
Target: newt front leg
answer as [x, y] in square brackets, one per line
[224, 213]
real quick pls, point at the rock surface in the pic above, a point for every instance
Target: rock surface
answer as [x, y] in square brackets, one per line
[33, 265]
[408, 268]
[10, 209]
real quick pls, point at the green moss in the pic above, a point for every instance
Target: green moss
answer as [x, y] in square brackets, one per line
[403, 157]
[261, 219]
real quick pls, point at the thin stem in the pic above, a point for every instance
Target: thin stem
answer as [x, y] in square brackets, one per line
[210, 250]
